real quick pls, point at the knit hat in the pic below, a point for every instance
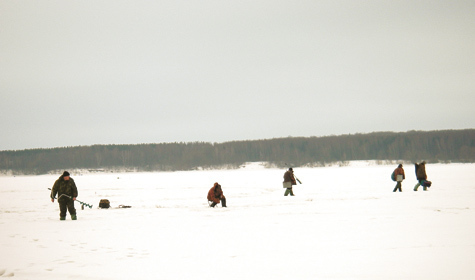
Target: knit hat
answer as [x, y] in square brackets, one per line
[65, 173]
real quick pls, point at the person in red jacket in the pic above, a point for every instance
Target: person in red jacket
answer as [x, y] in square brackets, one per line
[399, 171]
[215, 195]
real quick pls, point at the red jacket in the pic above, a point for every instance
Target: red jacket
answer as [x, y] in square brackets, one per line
[399, 171]
[215, 194]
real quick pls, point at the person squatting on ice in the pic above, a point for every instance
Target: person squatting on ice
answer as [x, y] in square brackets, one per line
[421, 176]
[289, 181]
[67, 193]
[215, 195]
[399, 171]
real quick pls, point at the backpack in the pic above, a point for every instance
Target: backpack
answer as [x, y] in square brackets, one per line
[104, 203]
[393, 176]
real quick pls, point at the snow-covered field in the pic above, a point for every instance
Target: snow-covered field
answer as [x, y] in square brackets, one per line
[343, 223]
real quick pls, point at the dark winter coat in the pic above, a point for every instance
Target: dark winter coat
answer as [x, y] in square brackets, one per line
[215, 194]
[421, 171]
[67, 187]
[289, 177]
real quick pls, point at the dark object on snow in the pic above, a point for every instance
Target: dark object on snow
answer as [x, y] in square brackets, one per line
[104, 203]
[124, 206]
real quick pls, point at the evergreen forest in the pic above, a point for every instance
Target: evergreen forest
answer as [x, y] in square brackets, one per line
[411, 146]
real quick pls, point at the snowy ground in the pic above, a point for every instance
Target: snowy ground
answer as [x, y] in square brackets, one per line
[343, 223]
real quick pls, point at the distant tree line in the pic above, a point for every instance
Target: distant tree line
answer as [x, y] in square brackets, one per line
[432, 146]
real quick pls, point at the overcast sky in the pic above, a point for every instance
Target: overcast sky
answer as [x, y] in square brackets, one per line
[128, 72]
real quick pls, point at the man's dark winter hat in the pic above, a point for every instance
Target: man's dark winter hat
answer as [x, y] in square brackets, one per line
[290, 169]
[65, 173]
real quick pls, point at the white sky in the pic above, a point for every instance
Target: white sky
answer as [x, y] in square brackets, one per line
[113, 72]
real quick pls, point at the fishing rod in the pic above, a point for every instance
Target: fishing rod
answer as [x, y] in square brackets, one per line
[82, 203]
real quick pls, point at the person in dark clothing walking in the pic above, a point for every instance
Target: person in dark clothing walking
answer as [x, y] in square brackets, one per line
[421, 175]
[215, 195]
[289, 181]
[67, 192]
[400, 176]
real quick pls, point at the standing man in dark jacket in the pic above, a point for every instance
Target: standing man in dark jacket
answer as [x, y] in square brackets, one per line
[421, 175]
[289, 181]
[67, 193]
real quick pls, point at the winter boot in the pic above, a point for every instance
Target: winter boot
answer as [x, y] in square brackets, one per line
[213, 204]
[62, 218]
[74, 217]
[223, 202]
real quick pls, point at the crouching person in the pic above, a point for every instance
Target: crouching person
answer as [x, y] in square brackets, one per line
[215, 195]
[67, 192]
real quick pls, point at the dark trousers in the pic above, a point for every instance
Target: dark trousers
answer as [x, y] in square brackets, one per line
[223, 202]
[288, 191]
[398, 187]
[66, 205]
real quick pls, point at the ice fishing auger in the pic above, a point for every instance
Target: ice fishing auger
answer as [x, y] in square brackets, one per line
[82, 203]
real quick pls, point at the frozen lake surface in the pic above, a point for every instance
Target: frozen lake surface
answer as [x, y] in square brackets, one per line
[343, 223]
